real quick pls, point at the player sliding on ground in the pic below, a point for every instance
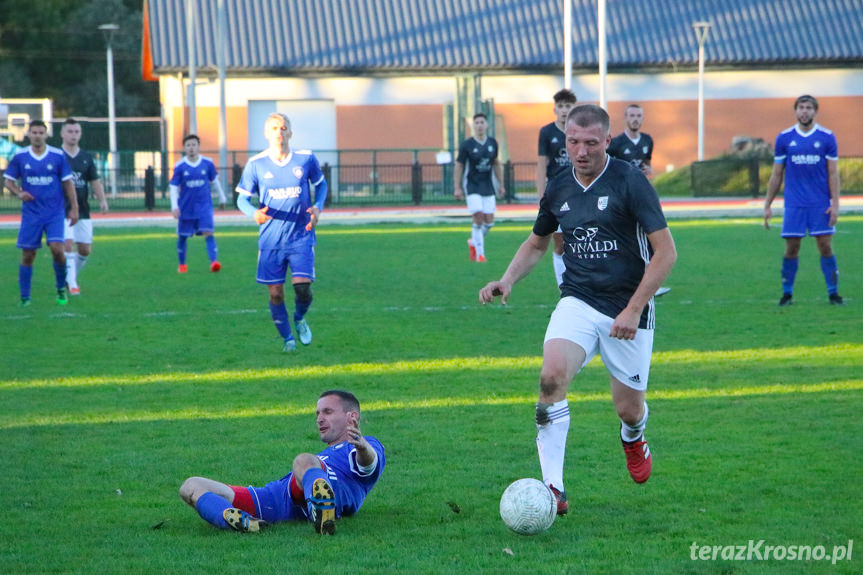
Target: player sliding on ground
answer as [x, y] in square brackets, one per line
[320, 488]
[617, 251]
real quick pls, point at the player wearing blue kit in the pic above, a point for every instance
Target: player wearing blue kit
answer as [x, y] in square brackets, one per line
[281, 179]
[476, 163]
[553, 160]
[46, 186]
[192, 201]
[618, 252]
[320, 487]
[806, 156]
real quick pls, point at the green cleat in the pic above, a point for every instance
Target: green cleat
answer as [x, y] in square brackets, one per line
[62, 299]
[25, 302]
[290, 345]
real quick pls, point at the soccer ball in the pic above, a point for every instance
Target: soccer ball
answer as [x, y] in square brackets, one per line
[528, 507]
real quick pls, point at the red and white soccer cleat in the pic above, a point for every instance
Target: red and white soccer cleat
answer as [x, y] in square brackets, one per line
[562, 503]
[75, 290]
[215, 266]
[181, 269]
[471, 250]
[638, 460]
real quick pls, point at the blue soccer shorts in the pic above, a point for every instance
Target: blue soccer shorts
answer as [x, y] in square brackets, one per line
[798, 221]
[30, 233]
[273, 264]
[191, 227]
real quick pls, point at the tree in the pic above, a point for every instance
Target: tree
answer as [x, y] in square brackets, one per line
[54, 49]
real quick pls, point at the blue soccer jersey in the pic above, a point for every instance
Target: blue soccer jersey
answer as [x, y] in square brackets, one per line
[805, 157]
[193, 180]
[284, 187]
[41, 176]
[349, 482]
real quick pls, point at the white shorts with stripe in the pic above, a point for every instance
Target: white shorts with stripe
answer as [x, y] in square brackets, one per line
[626, 360]
[81, 232]
[477, 203]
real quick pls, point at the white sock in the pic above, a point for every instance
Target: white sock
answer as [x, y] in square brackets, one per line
[80, 261]
[478, 237]
[630, 433]
[485, 228]
[559, 267]
[551, 441]
[71, 270]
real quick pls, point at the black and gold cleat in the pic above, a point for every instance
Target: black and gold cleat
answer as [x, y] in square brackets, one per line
[323, 506]
[243, 522]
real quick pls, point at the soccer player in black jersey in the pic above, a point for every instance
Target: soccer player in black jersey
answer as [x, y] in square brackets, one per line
[86, 176]
[632, 145]
[618, 251]
[553, 160]
[476, 169]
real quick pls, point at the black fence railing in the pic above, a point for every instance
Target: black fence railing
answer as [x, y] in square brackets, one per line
[146, 188]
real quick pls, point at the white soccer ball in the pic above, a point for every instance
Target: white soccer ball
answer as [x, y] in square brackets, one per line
[528, 507]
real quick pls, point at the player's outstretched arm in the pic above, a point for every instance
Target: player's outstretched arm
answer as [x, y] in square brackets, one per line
[365, 453]
[524, 260]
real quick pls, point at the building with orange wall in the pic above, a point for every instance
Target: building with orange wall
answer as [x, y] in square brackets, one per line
[392, 81]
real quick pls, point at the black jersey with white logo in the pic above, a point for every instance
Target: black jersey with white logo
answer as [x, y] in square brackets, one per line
[552, 144]
[636, 153]
[478, 159]
[605, 228]
[85, 172]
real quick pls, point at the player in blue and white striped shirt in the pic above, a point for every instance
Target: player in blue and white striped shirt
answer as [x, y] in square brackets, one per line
[806, 156]
[281, 179]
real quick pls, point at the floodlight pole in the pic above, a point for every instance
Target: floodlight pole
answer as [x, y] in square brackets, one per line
[190, 47]
[108, 30]
[701, 30]
[223, 120]
[567, 44]
[602, 55]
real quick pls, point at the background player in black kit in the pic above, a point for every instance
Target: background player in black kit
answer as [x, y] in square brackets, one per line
[632, 145]
[553, 160]
[477, 167]
[86, 175]
[618, 250]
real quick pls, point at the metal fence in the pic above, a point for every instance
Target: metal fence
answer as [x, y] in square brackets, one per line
[361, 178]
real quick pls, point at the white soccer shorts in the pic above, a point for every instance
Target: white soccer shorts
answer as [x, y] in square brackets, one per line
[626, 360]
[81, 232]
[477, 203]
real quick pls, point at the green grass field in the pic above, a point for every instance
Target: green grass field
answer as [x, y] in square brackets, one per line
[107, 404]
